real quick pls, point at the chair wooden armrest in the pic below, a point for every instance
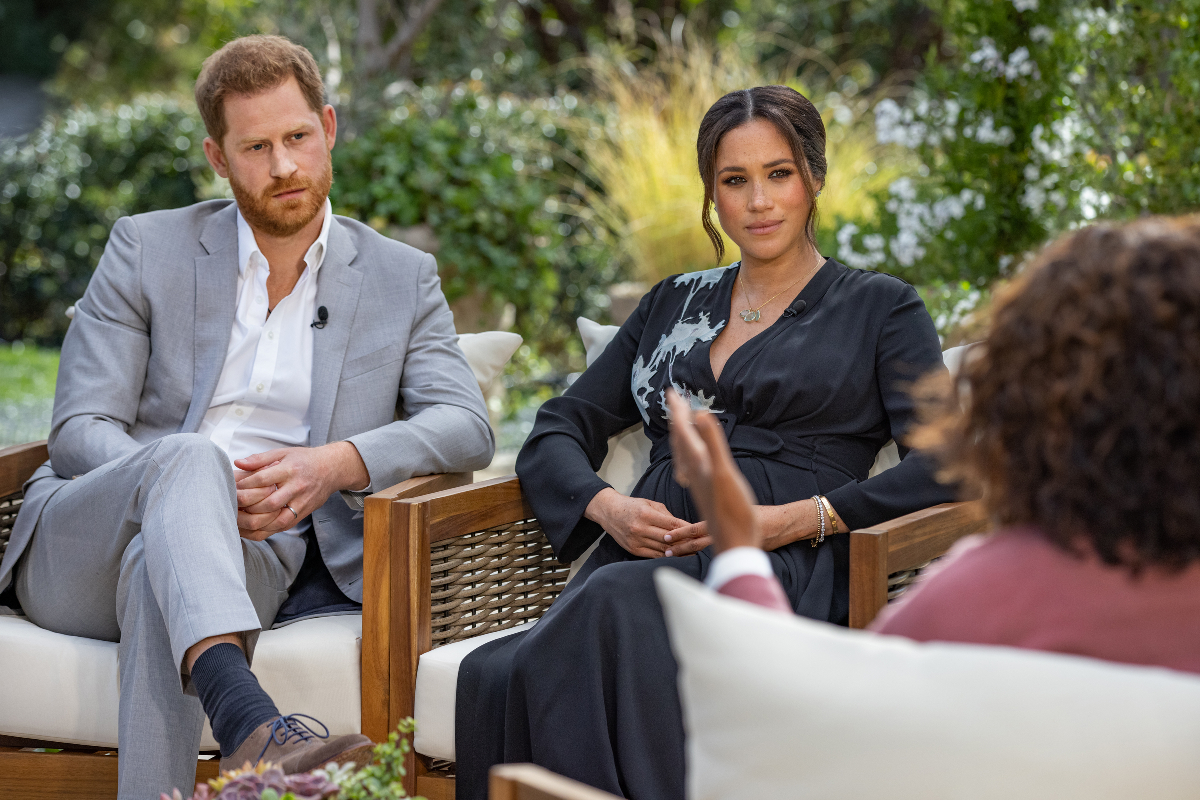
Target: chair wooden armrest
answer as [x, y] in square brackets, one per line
[443, 568]
[382, 514]
[17, 463]
[531, 782]
[904, 543]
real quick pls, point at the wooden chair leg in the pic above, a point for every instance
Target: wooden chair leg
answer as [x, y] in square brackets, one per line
[79, 775]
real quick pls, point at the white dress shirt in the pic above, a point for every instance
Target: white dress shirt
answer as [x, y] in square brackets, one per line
[736, 562]
[261, 400]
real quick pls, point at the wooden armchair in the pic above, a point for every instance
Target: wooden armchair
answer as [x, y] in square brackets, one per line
[91, 772]
[475, 561]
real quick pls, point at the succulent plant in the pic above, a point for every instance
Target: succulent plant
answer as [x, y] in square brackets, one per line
[379, 780]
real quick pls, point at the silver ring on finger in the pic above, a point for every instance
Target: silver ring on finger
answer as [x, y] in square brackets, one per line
[295, 516]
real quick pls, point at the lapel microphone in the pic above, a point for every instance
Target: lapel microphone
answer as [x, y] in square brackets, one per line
[796, 309]
[322, 318]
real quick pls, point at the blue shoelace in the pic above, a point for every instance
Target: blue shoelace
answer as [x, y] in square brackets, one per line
[289, 728]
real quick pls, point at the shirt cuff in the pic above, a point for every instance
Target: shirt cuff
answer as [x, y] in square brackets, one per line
[356, 500]
[736, 562]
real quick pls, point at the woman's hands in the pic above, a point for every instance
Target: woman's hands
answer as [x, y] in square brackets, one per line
[644, 527]
[705, 467]
[704, 464]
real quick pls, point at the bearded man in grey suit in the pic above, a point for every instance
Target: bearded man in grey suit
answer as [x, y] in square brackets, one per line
[237, 376]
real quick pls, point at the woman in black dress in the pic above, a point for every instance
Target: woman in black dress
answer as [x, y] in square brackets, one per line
[807, 366]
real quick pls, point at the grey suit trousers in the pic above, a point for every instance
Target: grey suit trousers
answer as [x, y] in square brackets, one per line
[144, 550]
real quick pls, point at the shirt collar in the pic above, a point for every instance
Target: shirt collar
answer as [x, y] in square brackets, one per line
[248, 245]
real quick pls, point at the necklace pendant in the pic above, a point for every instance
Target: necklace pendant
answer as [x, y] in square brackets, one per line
[749, 315]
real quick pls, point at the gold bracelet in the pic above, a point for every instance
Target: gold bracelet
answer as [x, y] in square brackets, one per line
[833, 529]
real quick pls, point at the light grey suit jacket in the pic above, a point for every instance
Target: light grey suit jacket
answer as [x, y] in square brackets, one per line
[146, 347]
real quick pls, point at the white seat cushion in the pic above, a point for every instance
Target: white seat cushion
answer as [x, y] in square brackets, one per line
[778, 706]
[437, 686]
[65, 688]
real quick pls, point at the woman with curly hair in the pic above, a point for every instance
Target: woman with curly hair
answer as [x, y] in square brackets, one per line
[1083, 435]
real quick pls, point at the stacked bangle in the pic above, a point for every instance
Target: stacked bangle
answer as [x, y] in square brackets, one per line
[820, 519]
[829, 513]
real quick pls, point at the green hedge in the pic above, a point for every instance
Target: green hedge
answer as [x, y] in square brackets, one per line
[491, 176]
[63, 186]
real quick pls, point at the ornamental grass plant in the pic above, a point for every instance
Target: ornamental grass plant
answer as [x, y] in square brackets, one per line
[642, 157]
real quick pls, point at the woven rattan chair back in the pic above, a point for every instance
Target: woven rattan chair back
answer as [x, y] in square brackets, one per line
[491, 580]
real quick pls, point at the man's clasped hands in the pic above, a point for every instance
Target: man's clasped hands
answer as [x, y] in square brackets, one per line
[278, 488]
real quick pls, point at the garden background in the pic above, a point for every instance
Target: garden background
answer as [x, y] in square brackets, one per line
[544, 149]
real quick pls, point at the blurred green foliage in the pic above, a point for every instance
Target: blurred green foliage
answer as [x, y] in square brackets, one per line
[492, 177]
[1035, 117]
[1135, 98]
[27, 378]
[27, 371]
[62, 188]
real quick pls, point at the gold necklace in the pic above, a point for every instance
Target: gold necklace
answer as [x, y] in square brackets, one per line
[755, 314]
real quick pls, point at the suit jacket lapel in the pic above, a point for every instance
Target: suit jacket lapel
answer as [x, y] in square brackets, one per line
[216, 306]
[338, 285]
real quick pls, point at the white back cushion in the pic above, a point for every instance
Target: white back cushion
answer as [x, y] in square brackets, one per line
[778, 706]
[488, 352]
[629, 451]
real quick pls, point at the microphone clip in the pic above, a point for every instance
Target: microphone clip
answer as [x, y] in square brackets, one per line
[322, 318]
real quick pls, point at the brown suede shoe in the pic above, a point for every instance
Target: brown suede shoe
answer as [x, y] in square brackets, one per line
[294, 747]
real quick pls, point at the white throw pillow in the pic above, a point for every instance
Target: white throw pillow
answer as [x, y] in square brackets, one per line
[628, 451]
[488, 352]
[778, 706]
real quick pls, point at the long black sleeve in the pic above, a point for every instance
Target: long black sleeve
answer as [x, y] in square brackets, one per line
[907, 349]
[557, 465]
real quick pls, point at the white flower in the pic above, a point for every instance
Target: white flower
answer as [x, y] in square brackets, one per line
[1041, 33]
[1092, 202]
[847, 255]
[1025, 5]
[1034, 198]
[985, 132]
[903, 188]
[988, 59]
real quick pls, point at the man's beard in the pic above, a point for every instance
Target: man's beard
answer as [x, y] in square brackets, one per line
[283, 218]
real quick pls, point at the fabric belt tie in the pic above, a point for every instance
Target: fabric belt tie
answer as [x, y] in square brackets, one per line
[800, 451]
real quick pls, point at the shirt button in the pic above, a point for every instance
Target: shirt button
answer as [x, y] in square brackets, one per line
[258, 299]
[239, 412]
[259, 387]
[271, 334]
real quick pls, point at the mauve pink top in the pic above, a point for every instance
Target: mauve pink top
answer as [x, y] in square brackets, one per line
[1016, 588]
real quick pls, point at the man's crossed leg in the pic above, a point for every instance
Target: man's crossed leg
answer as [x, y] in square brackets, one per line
[145, 551]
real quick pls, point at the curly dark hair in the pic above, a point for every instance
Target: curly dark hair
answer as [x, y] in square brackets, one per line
[1084, 408]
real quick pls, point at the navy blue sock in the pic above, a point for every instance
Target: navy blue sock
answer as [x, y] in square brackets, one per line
[230, 694]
